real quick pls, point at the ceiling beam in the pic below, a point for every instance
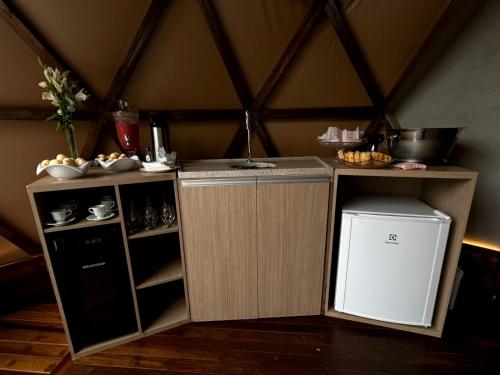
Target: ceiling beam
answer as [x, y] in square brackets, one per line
[40, 114]
[354, 53]
[41, 48]
[310, 20]
[325, 112]
[226, 52]
[125, 70]
[233, 69]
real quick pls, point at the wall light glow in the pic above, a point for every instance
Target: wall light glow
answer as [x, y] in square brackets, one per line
[482, 244]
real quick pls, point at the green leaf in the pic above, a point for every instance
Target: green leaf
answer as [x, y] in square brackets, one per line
[59, 127]
[50, 118]
[40, 62]
[65, 73]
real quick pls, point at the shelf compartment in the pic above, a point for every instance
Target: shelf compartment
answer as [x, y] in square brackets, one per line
[83, 223]
[162, 307]
[106, 344]
[160, 274]
[153, 232]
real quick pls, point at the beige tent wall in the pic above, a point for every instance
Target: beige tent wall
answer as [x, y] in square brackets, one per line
[463, 90]
[181, 69]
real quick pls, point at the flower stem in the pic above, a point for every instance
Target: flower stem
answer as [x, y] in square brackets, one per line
[70, 138]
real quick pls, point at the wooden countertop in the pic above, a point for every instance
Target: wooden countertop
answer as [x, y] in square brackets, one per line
[286, 166]
[98, 177]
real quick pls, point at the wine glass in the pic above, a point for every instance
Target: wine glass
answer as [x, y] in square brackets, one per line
[167, 216]
[150, 216]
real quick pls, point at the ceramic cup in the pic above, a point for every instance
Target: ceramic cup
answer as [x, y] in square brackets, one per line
[60, 215]
[109, 204]
[99, 210]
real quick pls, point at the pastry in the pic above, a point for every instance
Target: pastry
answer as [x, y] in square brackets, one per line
[55, 162]
[68, 161]
[79, 162]
[61, 157]
[45, 162]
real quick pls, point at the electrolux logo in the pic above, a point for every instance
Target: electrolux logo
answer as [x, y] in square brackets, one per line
[392, 239]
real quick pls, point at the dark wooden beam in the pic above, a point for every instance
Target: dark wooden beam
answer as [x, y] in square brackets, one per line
[265, 138]
[332, 112]
[233, 70]
[125, 70]
[40, 114]
[310, 20]
[226, 53]
[41, 48]
[354, 53]
[19, 239]
[195, 114]
[237, 143]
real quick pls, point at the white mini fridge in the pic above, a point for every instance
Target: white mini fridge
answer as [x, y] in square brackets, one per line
[390, 257]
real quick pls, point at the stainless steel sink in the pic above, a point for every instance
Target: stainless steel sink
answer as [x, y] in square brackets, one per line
[250, 164]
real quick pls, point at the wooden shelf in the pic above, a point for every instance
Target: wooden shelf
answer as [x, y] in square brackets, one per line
[171, 314]
[153, 232]
[83, 223]
[106, 344]
[164, 273]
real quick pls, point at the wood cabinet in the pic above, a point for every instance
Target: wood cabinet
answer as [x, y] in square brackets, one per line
[291, 226]
[446, 188]
[254, 247]
[111, 286]
[220, 246]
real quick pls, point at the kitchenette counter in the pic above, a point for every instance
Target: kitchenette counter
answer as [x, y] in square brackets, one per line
[286, 166]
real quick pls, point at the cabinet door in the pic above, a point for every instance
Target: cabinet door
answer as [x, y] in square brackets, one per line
[291, 231]
[219, 233]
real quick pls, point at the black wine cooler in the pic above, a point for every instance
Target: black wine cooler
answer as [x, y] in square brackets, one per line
[92, 278]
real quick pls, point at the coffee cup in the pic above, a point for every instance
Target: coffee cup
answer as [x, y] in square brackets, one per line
[109, 204]
[99, 211]
[60, 215]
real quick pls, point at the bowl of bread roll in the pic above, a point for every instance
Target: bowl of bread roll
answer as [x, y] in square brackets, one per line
[364, 159]
[63, 167]
[116, 162]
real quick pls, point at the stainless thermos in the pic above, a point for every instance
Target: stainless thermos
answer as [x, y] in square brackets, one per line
[159, 135]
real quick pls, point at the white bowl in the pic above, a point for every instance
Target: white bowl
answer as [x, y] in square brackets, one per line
[64, 172]
[121, 165]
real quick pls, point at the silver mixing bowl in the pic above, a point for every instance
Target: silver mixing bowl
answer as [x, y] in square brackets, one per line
[426, 145]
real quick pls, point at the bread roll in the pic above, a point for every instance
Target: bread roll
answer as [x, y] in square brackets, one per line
[45, 162]
[61, 157]
[55, 162]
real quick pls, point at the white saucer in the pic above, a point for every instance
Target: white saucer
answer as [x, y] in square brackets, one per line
[95, 218]
[55, 224]
[155, 170]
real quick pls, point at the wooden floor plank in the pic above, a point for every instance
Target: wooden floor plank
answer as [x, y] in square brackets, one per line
[28, 364]
[30, 336]
[41, 350]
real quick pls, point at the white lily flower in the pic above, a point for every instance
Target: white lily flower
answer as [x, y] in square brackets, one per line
[42, 84]
[80, 96]
[57, 85]
[59, 112]
[47, 95]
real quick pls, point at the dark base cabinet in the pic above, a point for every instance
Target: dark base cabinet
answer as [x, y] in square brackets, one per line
[113, 285]
[91, 272]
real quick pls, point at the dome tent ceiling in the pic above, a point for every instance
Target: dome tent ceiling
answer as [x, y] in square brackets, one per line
[181, 68]
[188, 84]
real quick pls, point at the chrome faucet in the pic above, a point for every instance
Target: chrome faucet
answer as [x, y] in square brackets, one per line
[249, 135]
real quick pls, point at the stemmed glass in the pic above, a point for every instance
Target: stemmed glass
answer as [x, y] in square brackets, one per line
[150, 216]
[167, 215]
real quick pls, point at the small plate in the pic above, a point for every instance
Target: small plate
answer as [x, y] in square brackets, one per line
[166, 169]
[95, 218]
[54, 224]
